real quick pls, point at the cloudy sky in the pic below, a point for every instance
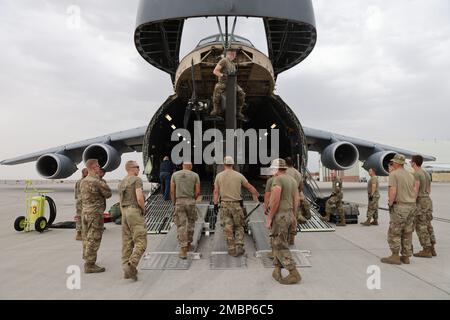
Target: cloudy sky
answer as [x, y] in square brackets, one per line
[69, 71]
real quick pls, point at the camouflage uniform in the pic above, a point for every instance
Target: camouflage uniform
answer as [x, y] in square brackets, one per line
[227, 67]
[78, 205]
[231, 212]
[305, 206]
[335, 201]
[93, 194]
[232, 218]
[402, 213]
[282, 222]
[424, 214]
[134, 231]
[372, 207]
[185, 211]
[296, 175]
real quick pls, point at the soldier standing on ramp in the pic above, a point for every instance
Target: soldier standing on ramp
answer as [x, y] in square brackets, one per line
[374, 197]
[284, 200]
[184, 190]
[424, 214]
[335, 201]
[78, 204]
[93, 194]
[402, 208]
[228, 185]
[222, 69]
[134, 232]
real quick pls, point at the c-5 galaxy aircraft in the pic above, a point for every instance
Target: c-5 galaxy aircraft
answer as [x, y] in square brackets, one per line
[291, 36]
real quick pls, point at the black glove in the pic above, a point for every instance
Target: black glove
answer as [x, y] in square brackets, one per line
[370, 198]
[261, 198]
[216, 208]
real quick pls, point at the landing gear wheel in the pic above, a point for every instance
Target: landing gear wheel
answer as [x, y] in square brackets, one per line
[41, 224]
[20, 223]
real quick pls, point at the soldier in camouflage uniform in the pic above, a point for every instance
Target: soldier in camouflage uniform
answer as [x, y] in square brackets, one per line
[284, 200]
[222, 69]
[267, 208]
[134, 231]
[374, 197]
[93, 194]
[228, 185]
[297, 176]
[184, 190]
[402, 208]
[424, 215]
[78, 204]
[335, 201]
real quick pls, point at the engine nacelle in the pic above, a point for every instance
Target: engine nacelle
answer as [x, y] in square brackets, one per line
[108, 157]
[379, 161]
[55, 166]
[340, 156]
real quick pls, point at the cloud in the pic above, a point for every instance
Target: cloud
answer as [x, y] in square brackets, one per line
[379, 71]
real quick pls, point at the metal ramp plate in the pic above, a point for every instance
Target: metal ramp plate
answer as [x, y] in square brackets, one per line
[315, 224]
[159, 213]
[261, 238]
[219, 258]
[165, 257]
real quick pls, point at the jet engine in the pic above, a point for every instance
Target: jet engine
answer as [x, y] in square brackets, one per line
[108, 157]
[55, 166]
[379, 161]
[340, 156]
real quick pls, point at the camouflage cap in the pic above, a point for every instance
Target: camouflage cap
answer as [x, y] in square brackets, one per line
[398, 158]
[278, 164]
[228, 160]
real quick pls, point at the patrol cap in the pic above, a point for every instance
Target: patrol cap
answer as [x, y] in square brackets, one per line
[398, 158]
[278, 164]
[228, 160]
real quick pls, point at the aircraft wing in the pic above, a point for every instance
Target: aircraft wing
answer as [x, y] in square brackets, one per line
[123, 141]
[338, 152]
[318, 138]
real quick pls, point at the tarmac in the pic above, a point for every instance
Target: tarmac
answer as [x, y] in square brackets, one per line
[35, 266]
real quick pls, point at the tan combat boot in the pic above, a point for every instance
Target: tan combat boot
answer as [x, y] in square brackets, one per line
[341, 222]
[190, 247]
[425, 253]
[78, 237]
[130, 272]
[366, 223]
[293, 277]
[374, 222]
[240, 250]
[301, 219]
[405, 259]
[276, 274]
[232, 252]
[326, 217]
[93, 268]
[183, 253]
[216, 112]
[270, 255]
[394, 258]
[433, 251]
